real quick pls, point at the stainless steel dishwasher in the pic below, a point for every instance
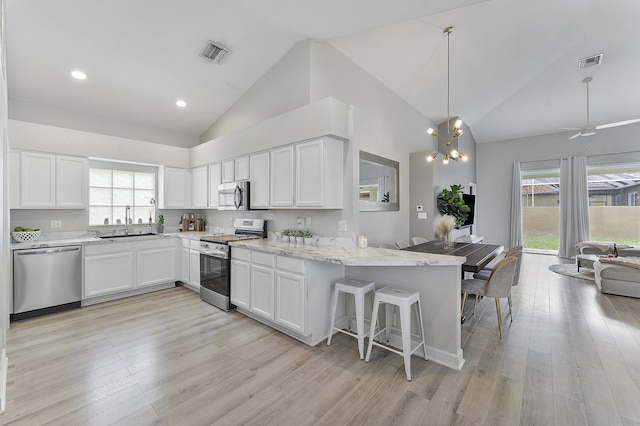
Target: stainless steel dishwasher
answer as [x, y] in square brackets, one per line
[46, 280]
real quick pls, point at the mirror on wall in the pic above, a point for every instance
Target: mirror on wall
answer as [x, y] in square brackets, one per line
[379, 185]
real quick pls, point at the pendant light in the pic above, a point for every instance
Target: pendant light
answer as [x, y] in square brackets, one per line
[453, 132]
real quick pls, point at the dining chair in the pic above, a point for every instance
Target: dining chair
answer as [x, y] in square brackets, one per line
[402, 244]
[485, 273]
[498, 286]
[388, 246]
[418, 240]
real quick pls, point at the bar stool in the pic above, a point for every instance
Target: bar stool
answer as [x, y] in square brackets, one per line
[358, 288]
[404, 300]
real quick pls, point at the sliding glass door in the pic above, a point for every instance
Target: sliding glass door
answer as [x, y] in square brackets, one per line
[541, 209]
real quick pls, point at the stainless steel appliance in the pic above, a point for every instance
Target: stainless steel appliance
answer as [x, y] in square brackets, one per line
[46, 280]
[215, 260]
[234, 196]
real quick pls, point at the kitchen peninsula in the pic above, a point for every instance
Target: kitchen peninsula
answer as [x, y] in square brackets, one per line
[289, 286]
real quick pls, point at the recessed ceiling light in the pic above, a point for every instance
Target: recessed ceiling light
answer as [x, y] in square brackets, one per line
[77, 74]
[181, 103]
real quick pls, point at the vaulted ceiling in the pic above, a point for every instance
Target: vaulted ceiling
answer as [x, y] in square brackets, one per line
[513, 63]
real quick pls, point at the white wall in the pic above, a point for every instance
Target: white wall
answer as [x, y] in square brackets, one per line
[495, 163]
[283, 88]
[21, 110]
[384, 124]
[42, 137]
[6, 280]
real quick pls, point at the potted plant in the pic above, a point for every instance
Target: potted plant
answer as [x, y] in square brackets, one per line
[285, 235]
[299, 236]
[160, 224]
[308, 237]
[450, 202]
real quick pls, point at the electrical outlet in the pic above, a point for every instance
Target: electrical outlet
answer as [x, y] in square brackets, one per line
[308, 221]
[342, 226]
[300, 222]
[56, 224]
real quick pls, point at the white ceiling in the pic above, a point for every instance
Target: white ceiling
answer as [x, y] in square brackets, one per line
[513, 63]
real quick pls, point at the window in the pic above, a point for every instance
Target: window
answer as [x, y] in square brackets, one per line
[541, 209]
[111, 190]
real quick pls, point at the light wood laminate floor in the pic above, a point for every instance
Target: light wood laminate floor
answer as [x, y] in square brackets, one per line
[571, 356]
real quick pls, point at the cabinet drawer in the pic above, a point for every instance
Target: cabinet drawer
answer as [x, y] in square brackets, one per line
[264, 259]
[185, 242]
[290, 264]
[108, 247]
[195, 245]
[240, 254]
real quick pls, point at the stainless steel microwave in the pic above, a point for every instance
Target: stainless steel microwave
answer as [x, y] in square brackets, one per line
[234, 196]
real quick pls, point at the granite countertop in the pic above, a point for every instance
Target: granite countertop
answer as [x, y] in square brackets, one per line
[350, 256]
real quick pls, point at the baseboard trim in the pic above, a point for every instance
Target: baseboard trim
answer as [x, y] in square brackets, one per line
[4, 362]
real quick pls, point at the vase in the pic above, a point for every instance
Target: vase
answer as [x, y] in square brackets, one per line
[448, 241]
[299, 240]
[285, 238]
[160, 229]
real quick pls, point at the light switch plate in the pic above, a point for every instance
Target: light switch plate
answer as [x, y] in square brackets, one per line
[422, 215]
[342, 226]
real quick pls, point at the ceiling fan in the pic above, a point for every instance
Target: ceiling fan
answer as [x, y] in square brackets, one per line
[590, 130]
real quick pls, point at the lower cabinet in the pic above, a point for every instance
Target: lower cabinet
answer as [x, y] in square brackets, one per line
[290, 294]
[118, 267]
[108, 268]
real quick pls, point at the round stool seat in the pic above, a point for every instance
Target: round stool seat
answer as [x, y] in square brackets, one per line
[403, 300]
[358, 288]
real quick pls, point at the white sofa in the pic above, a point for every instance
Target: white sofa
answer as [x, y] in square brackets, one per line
[617, 279]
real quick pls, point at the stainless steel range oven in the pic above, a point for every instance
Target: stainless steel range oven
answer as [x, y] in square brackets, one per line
[215, 260]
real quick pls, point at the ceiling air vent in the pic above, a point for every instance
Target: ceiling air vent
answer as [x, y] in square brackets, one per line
[214, 52]
[590, 61]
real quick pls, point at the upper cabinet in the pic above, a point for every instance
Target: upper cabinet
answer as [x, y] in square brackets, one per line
[199, 187]
[308, 175]
[319, 174]
[259, 177]
[48, 181]
[235, 169]
[215, 179]
[174, 190]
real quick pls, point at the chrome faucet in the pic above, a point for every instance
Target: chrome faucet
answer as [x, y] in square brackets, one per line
[127, 218]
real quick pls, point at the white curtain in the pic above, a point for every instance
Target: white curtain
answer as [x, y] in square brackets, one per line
[516, 207]
[574, 205]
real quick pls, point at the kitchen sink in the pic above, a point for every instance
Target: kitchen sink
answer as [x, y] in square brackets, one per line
[122, 235]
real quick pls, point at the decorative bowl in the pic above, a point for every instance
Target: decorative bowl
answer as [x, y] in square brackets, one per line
[25, 236]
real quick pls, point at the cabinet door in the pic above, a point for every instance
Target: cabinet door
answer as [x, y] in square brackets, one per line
[37, 180]
[108, 273]
[199, 187]
[186, 265]
[71, 182]
[194, 269]
[262, 291]
[309, 174]
[215, 179]
[281, 177]
[156, 266]
[240, 287]
[14, 179]
[259, 177]
[228, 171]
[242, 168]
[291, 298]
[173, 184]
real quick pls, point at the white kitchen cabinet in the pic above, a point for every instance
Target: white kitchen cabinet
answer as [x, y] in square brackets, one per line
[291, 294]
[185, 260]
[71, 182]
[228, 171]
[241, 168]
[262, 284]
[282, 175]
[50, 181]
[259, 177]
[240, 278]
[200, 187]
[174, 190]
[156, 262]
[215, 179]
[319, 174]
[235, 169]
[14, 179]
[109, 268]
[194, 265]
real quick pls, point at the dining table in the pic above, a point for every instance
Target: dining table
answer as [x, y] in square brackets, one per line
[478, 255]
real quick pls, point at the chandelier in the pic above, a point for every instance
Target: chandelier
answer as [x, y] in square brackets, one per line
[450, 148]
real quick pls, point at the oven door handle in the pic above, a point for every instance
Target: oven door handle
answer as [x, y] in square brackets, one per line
[216, 254]
[237, 197]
